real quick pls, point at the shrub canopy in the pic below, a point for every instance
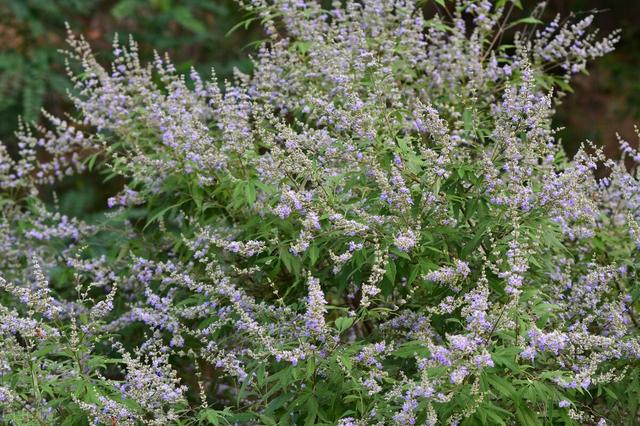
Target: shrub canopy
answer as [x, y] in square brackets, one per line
[377, 226]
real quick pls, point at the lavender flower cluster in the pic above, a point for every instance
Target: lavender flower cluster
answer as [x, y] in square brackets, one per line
[377, 226]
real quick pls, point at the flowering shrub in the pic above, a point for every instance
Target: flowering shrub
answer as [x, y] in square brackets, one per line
[377, 226]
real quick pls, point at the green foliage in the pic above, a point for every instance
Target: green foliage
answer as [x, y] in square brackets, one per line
[356, 233]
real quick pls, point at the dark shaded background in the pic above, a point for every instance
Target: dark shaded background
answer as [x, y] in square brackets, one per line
[194, 33]
[608, 99]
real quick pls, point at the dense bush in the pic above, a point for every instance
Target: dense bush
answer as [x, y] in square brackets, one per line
[375, 227]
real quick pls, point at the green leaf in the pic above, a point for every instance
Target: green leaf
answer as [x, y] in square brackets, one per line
[159, 213]
[211, 416]
[267, 420]
[415, 270]
[197, 193]
[502, 386]
[390, 273]
[302, 46]
[74, 418]
[411, 349]
[494, 413]
[250, 193]
[346, 361]
[527, 20]
[467, 118]
[343, 323]
[507, 357]
[310, 367]
[526, 417]
[245, 23]
[184, 17]
[242, 417]
[124, 8]
[563, 85]
[314, 253]
[276, 403]
[400, 253]
[312, 411]
[91, 161]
